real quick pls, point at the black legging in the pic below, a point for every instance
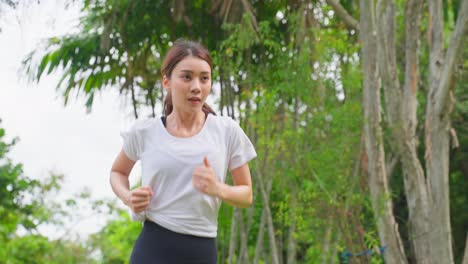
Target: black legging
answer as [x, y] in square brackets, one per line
[159, 245]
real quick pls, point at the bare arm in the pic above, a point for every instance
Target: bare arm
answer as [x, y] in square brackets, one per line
[137, 199]
[239, 195]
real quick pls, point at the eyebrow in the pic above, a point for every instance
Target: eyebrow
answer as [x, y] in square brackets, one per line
[189, 71]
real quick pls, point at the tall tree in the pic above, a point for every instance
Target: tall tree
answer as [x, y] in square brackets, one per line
[378, 178]
[290, 73]
[427, 195]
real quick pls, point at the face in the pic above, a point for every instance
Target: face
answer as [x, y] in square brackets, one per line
[189, 84]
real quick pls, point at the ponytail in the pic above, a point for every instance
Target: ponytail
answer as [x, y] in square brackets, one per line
[167, 107]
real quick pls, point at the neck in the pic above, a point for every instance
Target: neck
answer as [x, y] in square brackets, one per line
[186, 120]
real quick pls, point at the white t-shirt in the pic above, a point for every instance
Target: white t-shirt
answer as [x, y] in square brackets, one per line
[168, 163]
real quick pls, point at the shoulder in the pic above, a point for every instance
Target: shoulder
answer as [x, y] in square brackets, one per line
[223, 121]
[226, 126]
[141, 125]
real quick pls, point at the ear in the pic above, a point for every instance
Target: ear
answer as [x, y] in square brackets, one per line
[166, 83]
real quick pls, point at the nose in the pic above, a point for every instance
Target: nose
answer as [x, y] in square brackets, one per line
[195, 87]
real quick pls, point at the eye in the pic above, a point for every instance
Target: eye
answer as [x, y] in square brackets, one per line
[205, 78]
[186, 77]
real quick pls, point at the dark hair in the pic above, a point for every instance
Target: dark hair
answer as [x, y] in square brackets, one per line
[180, 50]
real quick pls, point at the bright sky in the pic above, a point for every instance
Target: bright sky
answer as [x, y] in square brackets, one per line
[53, 137]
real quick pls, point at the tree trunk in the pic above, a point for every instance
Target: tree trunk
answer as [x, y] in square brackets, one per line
[261, 230]
[269, 220]
[401, 108]
[378, 185]
[325, 256]
[291, 259]
[413, 174]
[265, 195]
[334, 254]
[233, 241]
[260, 236]
[244, 234]
[341, 12]
[465, 256]
[134, 101]
[279, 246]
[438, 127]
[243, 258]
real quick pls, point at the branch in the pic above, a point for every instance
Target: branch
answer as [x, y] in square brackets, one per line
[388, 69]
[450, 58]
[413, 13]
[343, 14]
[134, 101]
[249, 9]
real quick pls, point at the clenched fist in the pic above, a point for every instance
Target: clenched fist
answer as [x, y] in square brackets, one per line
[205, 180]
[139, 198]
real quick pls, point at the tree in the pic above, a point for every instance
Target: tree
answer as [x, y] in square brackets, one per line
[23, 208]
[114, 242]
[18, 209]
[28, 204]
[427, 195]
[291, 74]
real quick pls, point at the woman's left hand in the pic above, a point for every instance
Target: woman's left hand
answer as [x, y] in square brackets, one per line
[205, 180]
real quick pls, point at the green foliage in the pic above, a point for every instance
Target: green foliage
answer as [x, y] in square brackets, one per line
[39, 249]
[27, 204]
[119, 44]
[18, 204]
[294, 83]
[115, 241]
[282, 72]
[302, 144]
[24, 206]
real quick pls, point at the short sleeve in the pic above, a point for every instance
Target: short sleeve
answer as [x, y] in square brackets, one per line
[241, 149]
[132, 142]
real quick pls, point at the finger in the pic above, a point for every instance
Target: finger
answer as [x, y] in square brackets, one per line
[200, 184]
[197, 184]
[141, 192]
[142, 195]
[195, 180]
[141, 204]
[198, 174]
[139, 209]
[139, 200]
[206, 162]
[200, 170]
[149, 189]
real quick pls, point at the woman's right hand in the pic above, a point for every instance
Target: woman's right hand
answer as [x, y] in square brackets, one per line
[139, 198]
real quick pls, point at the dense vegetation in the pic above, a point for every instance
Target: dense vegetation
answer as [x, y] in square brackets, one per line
[291, 72]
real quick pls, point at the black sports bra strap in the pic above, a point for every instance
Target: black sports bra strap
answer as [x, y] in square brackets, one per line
[163, 119]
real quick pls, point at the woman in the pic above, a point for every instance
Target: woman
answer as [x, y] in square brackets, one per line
[185, 156]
